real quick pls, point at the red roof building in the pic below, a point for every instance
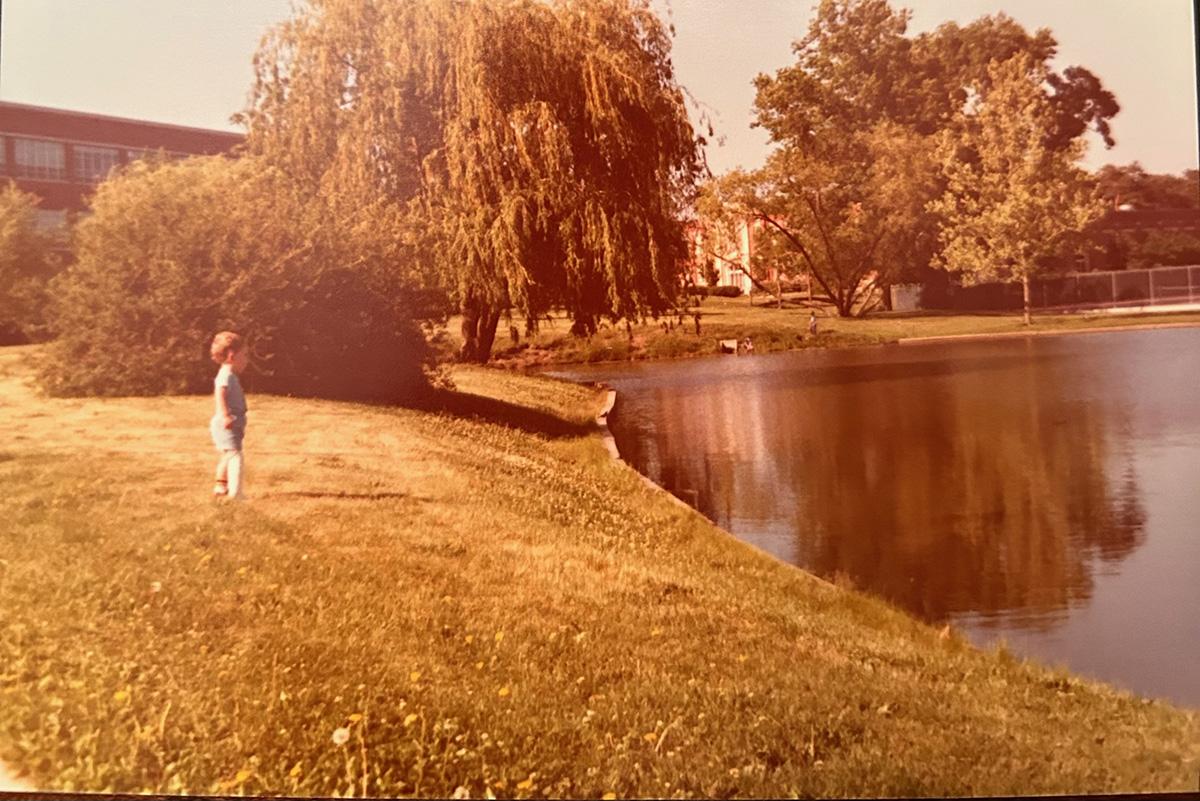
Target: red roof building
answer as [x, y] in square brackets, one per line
[61, 155]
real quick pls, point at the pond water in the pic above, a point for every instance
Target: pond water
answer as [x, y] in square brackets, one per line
[1044, 491]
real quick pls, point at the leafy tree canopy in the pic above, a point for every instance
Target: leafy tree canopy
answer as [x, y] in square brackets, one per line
[856, 67]
[531, 154]
[857, 119]
[1011, 197]
[1143, 190]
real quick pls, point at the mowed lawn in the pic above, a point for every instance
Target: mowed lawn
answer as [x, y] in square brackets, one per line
[474, 598]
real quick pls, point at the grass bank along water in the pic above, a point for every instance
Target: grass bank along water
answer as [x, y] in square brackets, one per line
[475, 597]
[774, 329]
[1039, 514]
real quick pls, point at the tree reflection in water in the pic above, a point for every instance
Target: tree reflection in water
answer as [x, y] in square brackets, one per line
[984, 484]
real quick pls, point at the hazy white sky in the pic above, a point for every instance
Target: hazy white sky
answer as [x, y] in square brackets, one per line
[188, 61]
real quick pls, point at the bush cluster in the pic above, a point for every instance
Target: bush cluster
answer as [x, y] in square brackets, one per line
[174, 252]
[28, 259]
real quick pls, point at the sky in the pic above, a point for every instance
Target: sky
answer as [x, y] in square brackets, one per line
[189, 61]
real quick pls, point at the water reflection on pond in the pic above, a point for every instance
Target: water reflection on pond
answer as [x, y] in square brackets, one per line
[1042, 490]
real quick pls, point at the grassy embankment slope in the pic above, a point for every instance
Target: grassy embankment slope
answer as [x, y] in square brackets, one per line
[773, 329]
[478, 598]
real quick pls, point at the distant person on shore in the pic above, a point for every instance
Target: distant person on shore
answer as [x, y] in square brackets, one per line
[228, 425]
[812, 324]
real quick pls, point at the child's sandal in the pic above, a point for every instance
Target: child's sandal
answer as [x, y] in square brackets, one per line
[221, 488]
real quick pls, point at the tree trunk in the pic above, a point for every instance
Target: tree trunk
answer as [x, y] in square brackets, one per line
[1025, 290]
[478, 330]
[583, 326]
[487, 333]
[844, 304]
[470, 331]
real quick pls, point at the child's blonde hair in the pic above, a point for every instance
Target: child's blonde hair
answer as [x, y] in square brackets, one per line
[224, 344]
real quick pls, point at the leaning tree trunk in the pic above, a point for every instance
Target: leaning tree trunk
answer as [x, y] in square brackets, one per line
[1025, 292]
[844, 301]
[478, 330]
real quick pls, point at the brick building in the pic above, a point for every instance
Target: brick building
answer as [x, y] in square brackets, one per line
[61, 155]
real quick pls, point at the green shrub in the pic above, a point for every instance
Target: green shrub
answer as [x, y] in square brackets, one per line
[174, 252]
[27, 261]
[675, 344]
[1165, 249]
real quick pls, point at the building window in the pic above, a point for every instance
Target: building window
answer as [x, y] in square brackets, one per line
[49, 220]
[154, 154]
[41, 160]
[140, 154]
[94, 163]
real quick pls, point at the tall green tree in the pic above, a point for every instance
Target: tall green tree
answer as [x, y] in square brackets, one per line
[951, 62]
[1011, 196]
[845, 189]
[529, 154]
[849, 216]
[857, 119]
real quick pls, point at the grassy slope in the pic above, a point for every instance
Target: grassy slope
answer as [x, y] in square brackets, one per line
[774, 329]
[481, 600]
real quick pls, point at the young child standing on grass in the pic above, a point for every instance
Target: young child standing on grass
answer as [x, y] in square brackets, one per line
[228, 425]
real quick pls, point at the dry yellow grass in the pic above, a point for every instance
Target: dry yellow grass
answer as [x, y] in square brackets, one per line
[418, 601]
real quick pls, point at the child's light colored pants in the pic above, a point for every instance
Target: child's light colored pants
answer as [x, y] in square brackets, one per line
[234, 466]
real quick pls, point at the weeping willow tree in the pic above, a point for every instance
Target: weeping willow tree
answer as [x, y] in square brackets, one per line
[523, 155]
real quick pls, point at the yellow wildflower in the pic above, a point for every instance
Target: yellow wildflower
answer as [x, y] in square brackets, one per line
[410, 719]
[415, 676]
[504, 692]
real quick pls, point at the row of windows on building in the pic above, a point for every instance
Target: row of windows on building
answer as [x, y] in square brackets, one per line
[44, 160]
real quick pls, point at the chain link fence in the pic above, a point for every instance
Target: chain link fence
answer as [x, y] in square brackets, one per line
[1156, 286]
